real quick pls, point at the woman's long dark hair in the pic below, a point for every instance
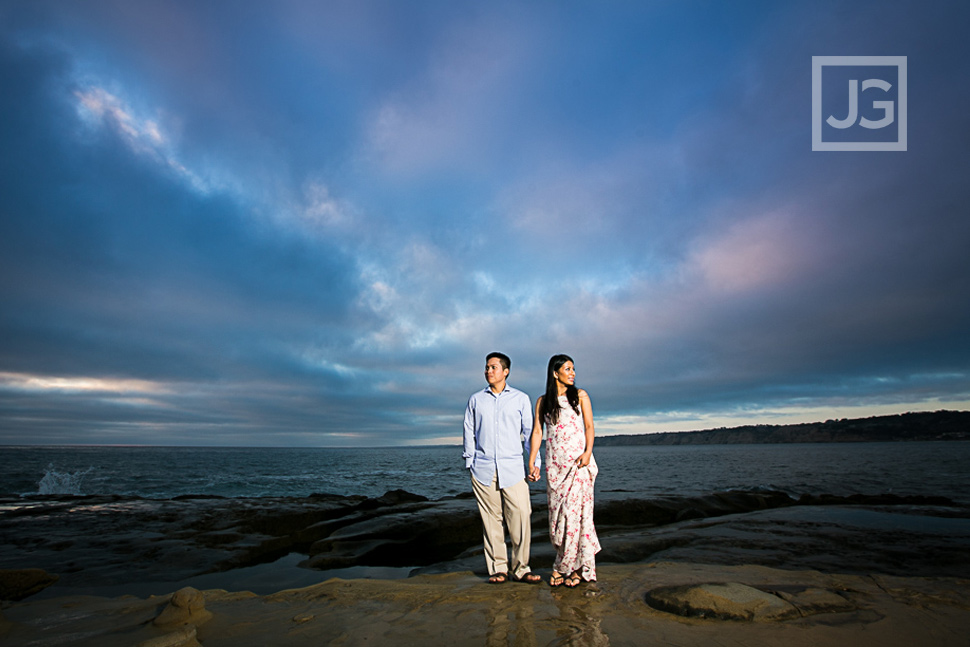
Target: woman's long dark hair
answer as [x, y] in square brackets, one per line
[550, 401]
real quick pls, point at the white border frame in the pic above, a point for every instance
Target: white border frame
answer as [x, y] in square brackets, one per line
[817, 63]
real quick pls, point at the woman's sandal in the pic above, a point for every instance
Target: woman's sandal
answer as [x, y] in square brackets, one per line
[499, 578]
[555, 579]
[573, 581]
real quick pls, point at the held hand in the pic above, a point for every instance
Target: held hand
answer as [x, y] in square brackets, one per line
[534, 473]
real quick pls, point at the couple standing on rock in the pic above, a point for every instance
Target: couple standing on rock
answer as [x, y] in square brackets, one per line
[498, 421]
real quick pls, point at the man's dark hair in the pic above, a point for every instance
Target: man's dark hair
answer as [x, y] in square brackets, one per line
[502, 357]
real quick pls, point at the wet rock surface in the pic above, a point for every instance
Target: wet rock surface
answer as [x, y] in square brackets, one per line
[736, 601]
[92, 541]
[20, 583]
[722, 601]
[459, 608]
[182, 637]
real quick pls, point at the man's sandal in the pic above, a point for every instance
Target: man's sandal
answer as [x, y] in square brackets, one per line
[555, 579]
[528, 578]
[499, 578]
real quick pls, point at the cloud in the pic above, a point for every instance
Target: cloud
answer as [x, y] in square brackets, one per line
[307, 224]
[757, 253]
[44, 383]
[143, 135]
[446, 115]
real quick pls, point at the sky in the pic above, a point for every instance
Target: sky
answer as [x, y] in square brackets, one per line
[306, 223]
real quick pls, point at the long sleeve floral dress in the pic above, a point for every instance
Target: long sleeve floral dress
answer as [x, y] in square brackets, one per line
[570, 491]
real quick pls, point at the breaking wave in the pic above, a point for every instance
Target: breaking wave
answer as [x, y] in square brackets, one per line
[55, 482]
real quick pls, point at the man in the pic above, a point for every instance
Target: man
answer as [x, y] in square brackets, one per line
[498, 420]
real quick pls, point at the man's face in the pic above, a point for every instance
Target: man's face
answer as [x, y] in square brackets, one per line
[495, 373]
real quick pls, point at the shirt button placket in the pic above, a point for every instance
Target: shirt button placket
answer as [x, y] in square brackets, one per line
[495, 435]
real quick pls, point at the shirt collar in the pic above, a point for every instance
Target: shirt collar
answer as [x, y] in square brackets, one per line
[488, 389]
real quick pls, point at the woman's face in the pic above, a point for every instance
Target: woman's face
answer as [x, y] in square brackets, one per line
[566, 374]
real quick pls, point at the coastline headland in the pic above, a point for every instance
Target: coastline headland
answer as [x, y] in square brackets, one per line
[917, 426]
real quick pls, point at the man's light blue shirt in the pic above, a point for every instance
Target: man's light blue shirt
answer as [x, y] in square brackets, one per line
[496, 427]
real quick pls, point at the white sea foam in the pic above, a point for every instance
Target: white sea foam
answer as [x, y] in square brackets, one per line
[55, 482]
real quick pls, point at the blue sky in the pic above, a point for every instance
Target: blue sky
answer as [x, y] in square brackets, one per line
[307, 223]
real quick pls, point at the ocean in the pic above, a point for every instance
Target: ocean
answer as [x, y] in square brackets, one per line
[911, 468]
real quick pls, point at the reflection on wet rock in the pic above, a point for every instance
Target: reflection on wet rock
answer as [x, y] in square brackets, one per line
[172, 540]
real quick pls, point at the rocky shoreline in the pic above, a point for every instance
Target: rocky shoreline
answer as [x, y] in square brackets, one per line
[92, 541]
[820, 561]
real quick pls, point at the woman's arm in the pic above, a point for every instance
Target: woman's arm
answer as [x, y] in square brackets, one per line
[586, 406]
[535, 439]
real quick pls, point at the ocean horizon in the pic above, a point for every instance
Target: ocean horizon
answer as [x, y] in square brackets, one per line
[924, 468]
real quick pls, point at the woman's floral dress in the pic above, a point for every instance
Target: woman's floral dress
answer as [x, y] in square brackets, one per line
[570, 491]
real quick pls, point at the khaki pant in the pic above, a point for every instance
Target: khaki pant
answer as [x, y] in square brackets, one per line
[514, 506]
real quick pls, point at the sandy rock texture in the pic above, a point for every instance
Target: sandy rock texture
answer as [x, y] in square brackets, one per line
[186, 607]
[461, 609]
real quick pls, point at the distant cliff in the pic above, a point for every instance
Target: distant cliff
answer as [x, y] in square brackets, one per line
[937, 425]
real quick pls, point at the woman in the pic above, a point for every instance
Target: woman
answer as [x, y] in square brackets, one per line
[571, 470]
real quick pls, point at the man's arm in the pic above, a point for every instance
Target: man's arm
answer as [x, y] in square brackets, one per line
[535, 439]
[526, 431]
[469, 437]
